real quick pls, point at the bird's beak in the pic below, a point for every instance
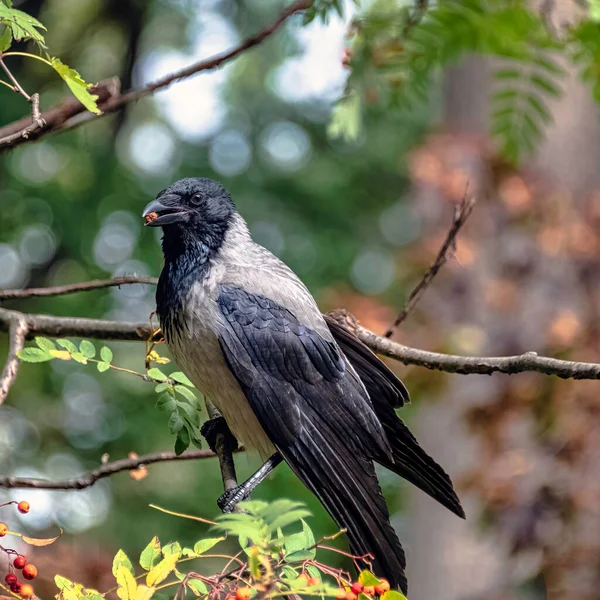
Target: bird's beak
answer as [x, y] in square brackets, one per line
[165, 210]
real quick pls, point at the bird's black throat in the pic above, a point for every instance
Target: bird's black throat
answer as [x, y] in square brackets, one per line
[188, 253]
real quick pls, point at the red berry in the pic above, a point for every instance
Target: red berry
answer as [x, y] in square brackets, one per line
[20, 562]
[23, 506]
[357, 587]
[15, 587]
[30, 571]
[382, 588]
[3, 529]
[369, 590]
[26, 591]
[10, 579]
[313, 581]
[243, 593]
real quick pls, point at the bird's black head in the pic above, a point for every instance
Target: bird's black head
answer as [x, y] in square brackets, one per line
[192, 211]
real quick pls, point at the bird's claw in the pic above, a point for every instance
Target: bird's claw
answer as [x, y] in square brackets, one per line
[231, 498]
[212, 428]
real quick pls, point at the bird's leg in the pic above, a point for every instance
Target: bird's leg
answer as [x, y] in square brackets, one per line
[230, 498]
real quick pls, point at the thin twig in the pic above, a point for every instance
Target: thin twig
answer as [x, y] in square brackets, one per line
[461, 214]
[91, 477]
[37, 122]
[117, 102]
[17, 333]
[17, 86]
[86, 286]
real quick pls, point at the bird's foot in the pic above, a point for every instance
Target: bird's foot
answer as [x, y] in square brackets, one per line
[231, 498]
[212, 428]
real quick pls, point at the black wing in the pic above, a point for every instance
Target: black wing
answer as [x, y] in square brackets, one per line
[388, 392]
[317, 414]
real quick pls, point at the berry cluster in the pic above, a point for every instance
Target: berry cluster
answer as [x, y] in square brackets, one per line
[18, 562]
[359, 588]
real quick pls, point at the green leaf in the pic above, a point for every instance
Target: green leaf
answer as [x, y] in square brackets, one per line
[393, 595]
[34, 355]
[181, 378]
[202, 546]
[151, 555]
[103, 366]
[87, 349]
[5, 39]
[121, 559]
[22, 25]
[80, 358]
[182, 441]
[166, 403]
[314, 572]
[186, 393]
[127, 585]
[106, 354]
[162, 570]
[198, 587]
[175, 422]
[594, 10]
[45, 344]
[67, 345]
[77, 85]
[297, 545]
[367, 578]
[162, 387]
[172, 548]
[346, 118]
[157, 374]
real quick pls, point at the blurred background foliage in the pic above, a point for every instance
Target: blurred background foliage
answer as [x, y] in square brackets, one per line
[358, 215]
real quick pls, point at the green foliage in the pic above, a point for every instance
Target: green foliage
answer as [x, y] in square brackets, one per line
[22, 27]
[398, 52]
[18, 26]
[176, 398]
[276, 564]
[77, 85]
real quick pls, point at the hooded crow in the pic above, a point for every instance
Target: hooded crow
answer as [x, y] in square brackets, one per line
[289, 383]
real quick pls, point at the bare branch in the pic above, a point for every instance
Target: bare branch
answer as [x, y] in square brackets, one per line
[91, 477]
[86, 286]
[17, 331]
[117, 102]
[484, 365]
[468, 365]
[77, 327]
[461, 214]
[55, 117]
[36, 123]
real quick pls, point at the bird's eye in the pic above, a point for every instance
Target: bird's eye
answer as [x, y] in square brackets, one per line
[197, 199]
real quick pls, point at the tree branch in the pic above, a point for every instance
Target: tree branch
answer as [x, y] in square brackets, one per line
[91, 477]
[86, 286]
[78, 116]
[461, 214]
[468, 365]
[35, 123]
[465, 365]
[17, 331]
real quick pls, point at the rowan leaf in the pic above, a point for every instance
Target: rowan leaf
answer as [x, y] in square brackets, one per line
[151, 555]
[162, 570]
[106, 354]
[87, 349]
[121, 559]
[34, 355]
[127, 585]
